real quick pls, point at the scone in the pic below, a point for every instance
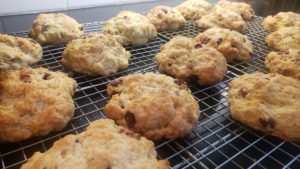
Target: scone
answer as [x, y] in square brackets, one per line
[285, 38]
[16, 52]
[130, 28]
[284, 62]
[183, 58]
[34, 102]
[232, 44]
[96, 54]
[194, 9]
[282, 19]
[165, 18]
[55, 29]
[241, 8]
[103, 145]
[267, 102]
[154, 105]
[222, 18]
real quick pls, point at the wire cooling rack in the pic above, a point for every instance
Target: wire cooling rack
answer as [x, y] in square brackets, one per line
[216, 142]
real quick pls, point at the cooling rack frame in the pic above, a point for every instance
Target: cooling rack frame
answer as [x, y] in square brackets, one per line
[216, 142]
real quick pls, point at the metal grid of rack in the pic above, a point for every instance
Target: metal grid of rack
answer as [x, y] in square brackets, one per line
[216, 142]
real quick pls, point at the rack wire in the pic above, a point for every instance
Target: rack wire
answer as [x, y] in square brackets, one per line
[217, 141]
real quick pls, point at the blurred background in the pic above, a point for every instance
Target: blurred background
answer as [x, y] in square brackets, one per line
[17, 15]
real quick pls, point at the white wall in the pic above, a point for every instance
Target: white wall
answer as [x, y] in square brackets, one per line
[16, 19]
[13, 7]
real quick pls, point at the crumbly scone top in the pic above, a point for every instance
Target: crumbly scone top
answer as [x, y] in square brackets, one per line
[130, 28]
[95, 54]
[243, 9]
[33, 102]
[55, 28]
[103, 145]
[194, 9]
[284, 62]
[281, 19]
[186, 59]
[16, 52]
[222, 18]
[232, 44]
[284, 38]
[267, 102]
[166, 18]
[153, 105]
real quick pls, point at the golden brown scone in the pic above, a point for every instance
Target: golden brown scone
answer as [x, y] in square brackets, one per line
[55, 29]
[103, 145]
[284, 62]
[282, 19]
[183, 58]
[267, 102]
[194, 9]
[222, 18]
[154, 105]
[232, 44]
[241, 8]
[96, 54]
[16, 52]
[285, 38]
[34, 102]
[165, 18]
[130, 28]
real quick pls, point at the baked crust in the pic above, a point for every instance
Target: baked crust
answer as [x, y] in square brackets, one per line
[96, 54]
[241, 8]
[267, 102]
[130, 28]
[55, 29]
[185, 59]
[154, 105]
[286, 63]
[103, 145]
[34, 102]
[194, 9]
[16, 52]
[281, 19]
[222, 18]
[232, 44]
[165, 18]
[284, 39]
